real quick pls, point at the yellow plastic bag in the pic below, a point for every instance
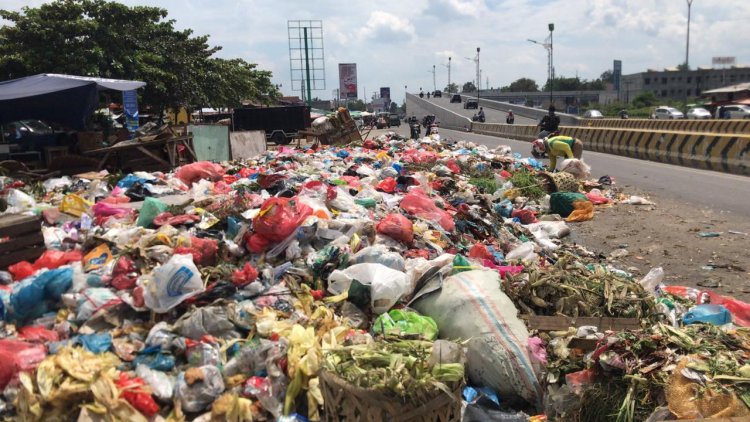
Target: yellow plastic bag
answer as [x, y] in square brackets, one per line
[75, 205]
[582, 211]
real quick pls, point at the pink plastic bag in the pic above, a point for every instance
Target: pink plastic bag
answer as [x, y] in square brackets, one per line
[17, 356]
[102, 209]
[193, 172]
[416, 202]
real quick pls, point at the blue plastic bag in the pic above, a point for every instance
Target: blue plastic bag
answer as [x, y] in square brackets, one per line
[96, 343]
[709, 314]
[28, 298]
[154, 359]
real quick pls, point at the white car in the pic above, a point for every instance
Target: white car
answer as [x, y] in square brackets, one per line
[665, 112]
[698, 113]
[593, 114]
[737, 112]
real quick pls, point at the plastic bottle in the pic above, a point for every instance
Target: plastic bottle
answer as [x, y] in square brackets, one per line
[708, 313]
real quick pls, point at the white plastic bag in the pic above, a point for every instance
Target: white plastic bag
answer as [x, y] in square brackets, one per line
[162, 385]
[172, 283]
[653, 279]
[637, 200]
[524, 252]
[56, 182]
[379, 254]
[387, 285]
[19, 202]
[576, 167]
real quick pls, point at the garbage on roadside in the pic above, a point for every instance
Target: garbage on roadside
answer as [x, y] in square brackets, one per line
[328, 282]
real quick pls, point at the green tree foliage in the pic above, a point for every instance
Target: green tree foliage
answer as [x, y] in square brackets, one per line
[574, 84]
[644, 99]
[469, 87]
[607, 76]
[451, 89]
[112, 40]
[521, 85]
[357, 105]
[393, 108]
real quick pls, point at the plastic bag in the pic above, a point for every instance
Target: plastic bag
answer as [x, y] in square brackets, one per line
[206, 386]
[91, 300]
[582, 211]
[709, 314]
[28, 298]
[576, 167]
[149, 210]
[21, 270]
[97, 258]
[387, 185]
[124, 275]
[162, 385]
[207, 320]
[38, 334]
[204, 251]
[172, 283]
[153, 358]
[193, 172]
[387, 285]
[416, 202]
[75, 205]
[96, 343]
[379, 254]
[400, 322]
[523, 252]
[131, 389]
[19, 202]
[652, 280]
[278, 218]
[244, 276]
[103, 209]
[397, 227]
[596, 197]
[17, 356]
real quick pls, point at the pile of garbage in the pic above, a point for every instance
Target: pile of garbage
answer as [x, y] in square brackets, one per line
[393, 268]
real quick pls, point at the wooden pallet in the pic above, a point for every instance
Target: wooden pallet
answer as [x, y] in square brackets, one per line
[20, 239]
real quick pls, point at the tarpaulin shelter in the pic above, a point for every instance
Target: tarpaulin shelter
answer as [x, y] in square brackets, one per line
[65, 99]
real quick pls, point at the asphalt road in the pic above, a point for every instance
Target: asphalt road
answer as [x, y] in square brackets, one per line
[720, 192]
[491, 116]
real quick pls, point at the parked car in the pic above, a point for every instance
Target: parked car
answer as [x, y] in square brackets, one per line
[698, 113]
[437, 94]
[394, 120]
[737, 111]
[27, 128]
[456, 98]
[471, 104]
[665, 112]
[593, 114]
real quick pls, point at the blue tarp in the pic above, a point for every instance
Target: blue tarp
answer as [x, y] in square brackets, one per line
[64, 99]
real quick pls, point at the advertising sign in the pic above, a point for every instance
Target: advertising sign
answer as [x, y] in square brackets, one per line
[130, 106]
[348, 80]
[616, 74]
[385, 92]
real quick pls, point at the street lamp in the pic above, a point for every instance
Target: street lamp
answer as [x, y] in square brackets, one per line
[479, 76]
[547, 44]
[687, 51]
[449, 73]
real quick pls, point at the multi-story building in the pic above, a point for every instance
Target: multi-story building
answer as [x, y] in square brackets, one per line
[672, 83]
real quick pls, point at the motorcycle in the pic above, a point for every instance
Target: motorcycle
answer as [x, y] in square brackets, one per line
[478, 118]
[421, 95]
[416, 130]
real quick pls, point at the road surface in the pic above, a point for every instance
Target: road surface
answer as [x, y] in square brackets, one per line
[491, 116]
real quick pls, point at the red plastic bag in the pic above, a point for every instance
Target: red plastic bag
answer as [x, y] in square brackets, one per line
[279, 217]
[21, 270]
[388, 185]
[596, 198]
[193, 172]
[397, 227]
[480, 251]
[37, 334]
[55, 259]
[740, 310]
[125, 274]
[204, 251]
[244, 276]
[526, 216]
[577, 381]
[416, 202]
[453, 166]
[166, 218]
[17, 356]
[133, 390]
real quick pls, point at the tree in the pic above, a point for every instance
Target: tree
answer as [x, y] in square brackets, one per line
[607, 76]
[644, 99]
[112, 40]
[521, 85]
[452, 88]
[393, 108]
[356, 105]
[469, 87]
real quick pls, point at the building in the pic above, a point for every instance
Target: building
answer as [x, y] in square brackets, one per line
[672, 83]
[733, 94]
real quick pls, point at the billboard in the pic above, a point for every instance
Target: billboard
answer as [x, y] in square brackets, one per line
[385, 92]
[348, 80]
[616, 74]
[723, 60]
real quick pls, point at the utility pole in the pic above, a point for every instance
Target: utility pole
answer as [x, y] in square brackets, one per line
[479, 74]
[434, 84]
[550, 67]
[687, 52]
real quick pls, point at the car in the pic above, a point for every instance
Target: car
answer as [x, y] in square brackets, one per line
[394, 120]
[471, 104]
[737, 111]
[593, 114]
[698, 113]
[27, 128]
[437, 94]
[456, 98]
[665, 112]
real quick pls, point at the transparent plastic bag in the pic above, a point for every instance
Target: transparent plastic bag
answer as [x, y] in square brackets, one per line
[172, 283]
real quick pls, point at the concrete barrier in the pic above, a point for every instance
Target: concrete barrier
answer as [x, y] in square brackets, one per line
[447, 118]
[680, 125]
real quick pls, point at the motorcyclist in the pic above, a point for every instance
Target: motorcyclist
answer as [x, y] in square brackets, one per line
[510, 118]
[428, 95]
[416, 129]
[481, 115]
[558, 146]
[549, 123]
[421, 94]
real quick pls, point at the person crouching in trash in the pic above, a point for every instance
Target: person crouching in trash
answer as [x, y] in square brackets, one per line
[557, 146]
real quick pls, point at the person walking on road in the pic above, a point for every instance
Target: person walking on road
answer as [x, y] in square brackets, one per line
[558, 146]
[549, 123]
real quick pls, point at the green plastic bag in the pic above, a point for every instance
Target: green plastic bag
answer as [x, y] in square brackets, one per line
[562, 202]
[149, 210]
[461, 264]
[403, 323]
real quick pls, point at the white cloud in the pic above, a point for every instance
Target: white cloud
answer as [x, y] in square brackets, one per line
[387, 28]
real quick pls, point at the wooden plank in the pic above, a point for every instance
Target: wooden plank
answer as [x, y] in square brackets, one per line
[22, 242]
[13, 225]
[28, 254]
[557, 323]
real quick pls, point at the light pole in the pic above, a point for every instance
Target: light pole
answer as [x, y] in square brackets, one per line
[434, 84]
[547, 44]
[687, 50]
[449, 73]
[479, 76]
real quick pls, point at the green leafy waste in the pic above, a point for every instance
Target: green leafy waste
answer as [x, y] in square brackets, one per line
[526, 182]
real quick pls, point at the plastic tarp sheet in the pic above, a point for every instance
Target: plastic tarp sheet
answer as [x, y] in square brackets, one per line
[211, 142]
[64, 99]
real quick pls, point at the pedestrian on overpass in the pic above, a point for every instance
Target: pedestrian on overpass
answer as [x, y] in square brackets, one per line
[549, 123]
[557, 146]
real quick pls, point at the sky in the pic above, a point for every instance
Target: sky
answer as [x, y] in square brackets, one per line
[395, 43]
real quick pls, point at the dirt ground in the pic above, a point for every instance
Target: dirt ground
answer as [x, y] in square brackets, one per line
[667, 235]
